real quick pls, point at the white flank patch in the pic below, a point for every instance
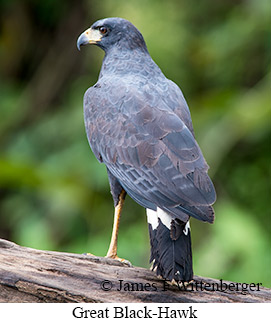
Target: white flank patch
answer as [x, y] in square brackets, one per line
[164, 217]
[186, 228]
[152, 218]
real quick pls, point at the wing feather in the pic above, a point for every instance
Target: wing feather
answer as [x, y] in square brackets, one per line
[147, 143]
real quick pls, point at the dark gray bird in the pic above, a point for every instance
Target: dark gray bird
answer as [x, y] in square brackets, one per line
[139, 125]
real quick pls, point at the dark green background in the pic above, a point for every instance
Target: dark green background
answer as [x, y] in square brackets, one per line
[55, 195]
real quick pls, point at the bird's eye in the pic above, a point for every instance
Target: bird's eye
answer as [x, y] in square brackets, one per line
[103, 30]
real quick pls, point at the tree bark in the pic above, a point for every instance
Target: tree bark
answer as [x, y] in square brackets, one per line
[29, 275]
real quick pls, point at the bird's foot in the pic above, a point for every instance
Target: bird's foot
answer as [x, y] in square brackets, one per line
[127, 262]
[124, 261]
[185, 285]
[89, 254]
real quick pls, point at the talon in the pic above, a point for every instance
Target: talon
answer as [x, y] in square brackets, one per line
[181, 284]
[125, 261]
[88, 254]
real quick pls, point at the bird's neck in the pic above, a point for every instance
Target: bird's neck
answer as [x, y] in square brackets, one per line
[132, 62]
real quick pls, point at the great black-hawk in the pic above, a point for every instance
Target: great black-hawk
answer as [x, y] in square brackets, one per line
[139, 125]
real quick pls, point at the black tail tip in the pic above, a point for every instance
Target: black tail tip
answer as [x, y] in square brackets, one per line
[171, 255]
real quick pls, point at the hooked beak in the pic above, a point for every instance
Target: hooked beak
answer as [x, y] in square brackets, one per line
[90, 36]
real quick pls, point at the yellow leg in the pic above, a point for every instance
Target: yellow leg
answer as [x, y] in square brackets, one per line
[112, 251]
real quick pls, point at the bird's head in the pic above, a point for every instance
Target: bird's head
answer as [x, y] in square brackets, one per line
[111, 32]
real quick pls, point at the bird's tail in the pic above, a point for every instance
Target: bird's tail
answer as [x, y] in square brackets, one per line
[171, 252]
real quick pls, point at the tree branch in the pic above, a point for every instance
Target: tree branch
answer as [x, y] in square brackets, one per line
[29, 275]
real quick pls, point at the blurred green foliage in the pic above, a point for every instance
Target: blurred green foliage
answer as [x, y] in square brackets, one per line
[55, 195]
